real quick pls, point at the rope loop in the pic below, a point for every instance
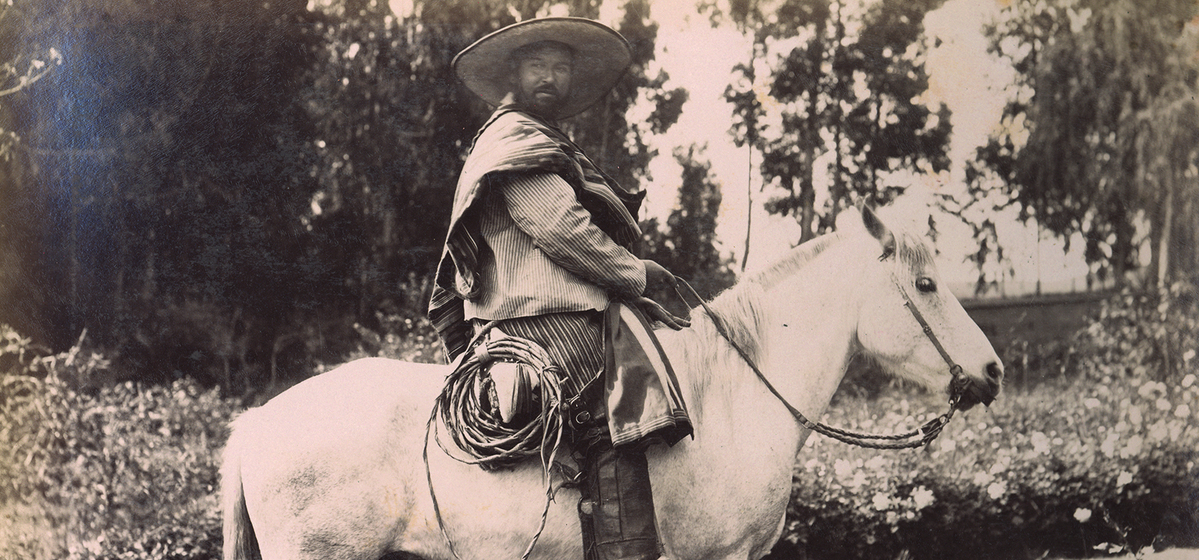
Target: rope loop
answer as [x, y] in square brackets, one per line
[475, 427]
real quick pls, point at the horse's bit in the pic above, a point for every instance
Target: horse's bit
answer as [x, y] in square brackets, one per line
[926, 433]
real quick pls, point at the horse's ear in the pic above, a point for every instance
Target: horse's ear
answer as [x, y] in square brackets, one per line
[879, 231]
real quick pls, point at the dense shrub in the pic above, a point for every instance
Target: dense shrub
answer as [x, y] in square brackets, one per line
[1151, 334]
[406, 333]
[125, 471]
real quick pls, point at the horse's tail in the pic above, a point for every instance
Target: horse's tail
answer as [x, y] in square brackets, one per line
[240, 543]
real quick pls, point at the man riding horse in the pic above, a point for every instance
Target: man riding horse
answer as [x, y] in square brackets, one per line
[538, 248]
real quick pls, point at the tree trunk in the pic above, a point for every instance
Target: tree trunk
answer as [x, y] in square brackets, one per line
[807, 196]
[1165, 232]
[749, 203]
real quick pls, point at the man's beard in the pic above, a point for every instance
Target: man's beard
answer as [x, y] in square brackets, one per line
[546, 106]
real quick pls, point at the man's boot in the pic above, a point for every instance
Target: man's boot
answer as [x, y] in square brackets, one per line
[617, 508]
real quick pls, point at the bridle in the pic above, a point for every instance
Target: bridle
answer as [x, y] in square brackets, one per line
[911, 439]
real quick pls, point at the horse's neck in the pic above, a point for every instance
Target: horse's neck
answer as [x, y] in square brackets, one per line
[811, 331]
[803, 322]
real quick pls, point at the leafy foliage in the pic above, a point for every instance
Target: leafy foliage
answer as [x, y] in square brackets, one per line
[1101, 133]
[1152, 335]
[237, 192]
[1057, 470]
[126, 471]
[840, 101]
[687, 245]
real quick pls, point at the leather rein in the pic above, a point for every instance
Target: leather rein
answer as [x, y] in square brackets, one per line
[912, 439]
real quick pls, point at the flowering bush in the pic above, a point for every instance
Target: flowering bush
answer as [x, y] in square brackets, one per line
[1139, 334]
[127, 471]
[1153, 335]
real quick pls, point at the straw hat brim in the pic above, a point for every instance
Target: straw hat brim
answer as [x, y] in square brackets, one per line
[601, 57]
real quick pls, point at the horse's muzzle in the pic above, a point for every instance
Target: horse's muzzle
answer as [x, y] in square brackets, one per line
[983, 391]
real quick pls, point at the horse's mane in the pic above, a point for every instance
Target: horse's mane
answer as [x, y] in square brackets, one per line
[740, 312]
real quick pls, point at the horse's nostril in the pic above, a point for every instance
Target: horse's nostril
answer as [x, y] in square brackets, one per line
[994, 371]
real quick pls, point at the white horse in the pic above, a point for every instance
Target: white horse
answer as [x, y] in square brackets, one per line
[332, 469]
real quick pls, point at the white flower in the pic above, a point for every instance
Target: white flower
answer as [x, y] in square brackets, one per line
[882, 502]
[1133, 448]
[843, 468]
[1164, 405]
[1159, 431]
[1108, 447]
[1091, 403]
[948, 444]
[1040, 443]
[1182, 411]
[37, 64]
[1082, 515]
[1000, 465]
[981, 478]
[922, 497]
[996, 489]
[1151, 387]
[1123, 479]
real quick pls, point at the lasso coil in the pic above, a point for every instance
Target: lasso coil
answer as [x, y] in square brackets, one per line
[478, 430]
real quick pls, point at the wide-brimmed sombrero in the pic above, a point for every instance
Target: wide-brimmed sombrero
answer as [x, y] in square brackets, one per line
[601, 57]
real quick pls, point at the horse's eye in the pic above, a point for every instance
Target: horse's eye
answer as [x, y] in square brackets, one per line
[926, 284]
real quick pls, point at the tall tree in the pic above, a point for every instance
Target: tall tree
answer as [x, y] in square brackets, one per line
[22, 65]
[843, 96]
[162, 164]
[619, 146]
[1102, 133]
[687, 244]
[748, 17]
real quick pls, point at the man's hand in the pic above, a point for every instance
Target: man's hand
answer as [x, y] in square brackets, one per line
[656, 276]
[658, 280]
[656, 312]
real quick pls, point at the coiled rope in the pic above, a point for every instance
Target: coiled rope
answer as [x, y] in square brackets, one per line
[478, 430]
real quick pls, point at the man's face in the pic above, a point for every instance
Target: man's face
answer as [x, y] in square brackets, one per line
[543, 79]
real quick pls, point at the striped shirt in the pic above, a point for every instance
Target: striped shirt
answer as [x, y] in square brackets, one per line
[546, 255]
